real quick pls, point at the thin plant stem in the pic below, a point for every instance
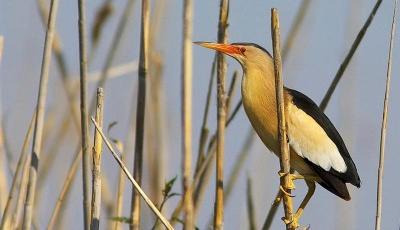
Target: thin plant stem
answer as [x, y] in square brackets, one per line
[204, 129]
[205, 166]
[221, 117]
[105, 72]
[40, 112]
[84, 112]
[284, 148]
[187, 113]
[96, 172]
[61, 64]
[140, 114]
[121, 186]
[349, 56]
[231, 91]
[5, 221]
[17, 215]
[4, 152]
[250, 206]
[131, 179]
[64, 190]
[272, 211]
[206, 176]
[378, 217]
[295, 28]
[239, 162]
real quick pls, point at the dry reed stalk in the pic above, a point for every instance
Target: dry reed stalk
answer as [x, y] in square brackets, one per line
[206, 175]
[204, 167]
[155, 125]
[239, 162]
[154, 133]
[272, 211]
[284, 148]
[348, 57]
[96, 172]
[84, 113]
[221, 117]
[72, 171]
[204, 126]
[187, 114]
[107, 200]
[121, 186]
[295, 28]
[116, 40]
[103, 14]
[140, 113]
[64, 190]
[378, 216]
[105, 73]
[18, 175]
[50, 156]
[61, 64]
[251, 215]
[3, 151]
[197, 195]
[40, 112]
[133, 181]
[231, 91]
[19, 207]
[119, 70]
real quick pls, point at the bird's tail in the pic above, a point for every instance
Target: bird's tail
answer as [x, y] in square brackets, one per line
[336, 186]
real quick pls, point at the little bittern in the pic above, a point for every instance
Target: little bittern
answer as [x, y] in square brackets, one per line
[317, 151]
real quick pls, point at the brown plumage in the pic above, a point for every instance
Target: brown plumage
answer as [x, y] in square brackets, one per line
[318, 153]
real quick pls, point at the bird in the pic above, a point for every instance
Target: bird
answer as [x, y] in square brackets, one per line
[318, 153]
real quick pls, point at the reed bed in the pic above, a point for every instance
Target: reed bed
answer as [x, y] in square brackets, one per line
[117, 47]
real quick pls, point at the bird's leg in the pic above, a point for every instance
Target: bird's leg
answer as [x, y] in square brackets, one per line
[294, 176]
[299, 212]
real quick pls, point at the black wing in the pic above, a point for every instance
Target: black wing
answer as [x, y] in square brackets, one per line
[332, 178]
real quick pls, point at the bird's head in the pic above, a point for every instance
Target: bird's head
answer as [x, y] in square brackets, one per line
[247, 54]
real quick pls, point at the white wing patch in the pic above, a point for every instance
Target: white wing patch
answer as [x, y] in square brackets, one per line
[309, 140]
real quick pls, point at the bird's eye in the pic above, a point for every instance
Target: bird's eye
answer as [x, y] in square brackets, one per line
[242, 50]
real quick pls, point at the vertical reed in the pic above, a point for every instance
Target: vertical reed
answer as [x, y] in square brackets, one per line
[5, 221]
[40, 112]
[84, 112]
[96, 175]
[133, 181]
[187, 113]
[221, 117]
[284, 147]
[378, 217]
[140, 112]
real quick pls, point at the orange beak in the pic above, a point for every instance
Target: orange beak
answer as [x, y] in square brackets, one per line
[224, 48]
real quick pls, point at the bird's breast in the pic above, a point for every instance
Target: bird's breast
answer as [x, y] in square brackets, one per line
[260, 106]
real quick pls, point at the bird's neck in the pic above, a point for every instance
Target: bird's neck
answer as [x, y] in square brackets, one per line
[258, 94]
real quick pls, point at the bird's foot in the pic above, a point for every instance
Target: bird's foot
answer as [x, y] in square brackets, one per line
[292, 177]
[293, 223]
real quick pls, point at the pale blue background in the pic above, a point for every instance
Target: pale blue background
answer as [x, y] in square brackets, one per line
[327, 33]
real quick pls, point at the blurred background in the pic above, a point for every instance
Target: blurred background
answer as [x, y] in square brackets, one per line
[324, 38]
